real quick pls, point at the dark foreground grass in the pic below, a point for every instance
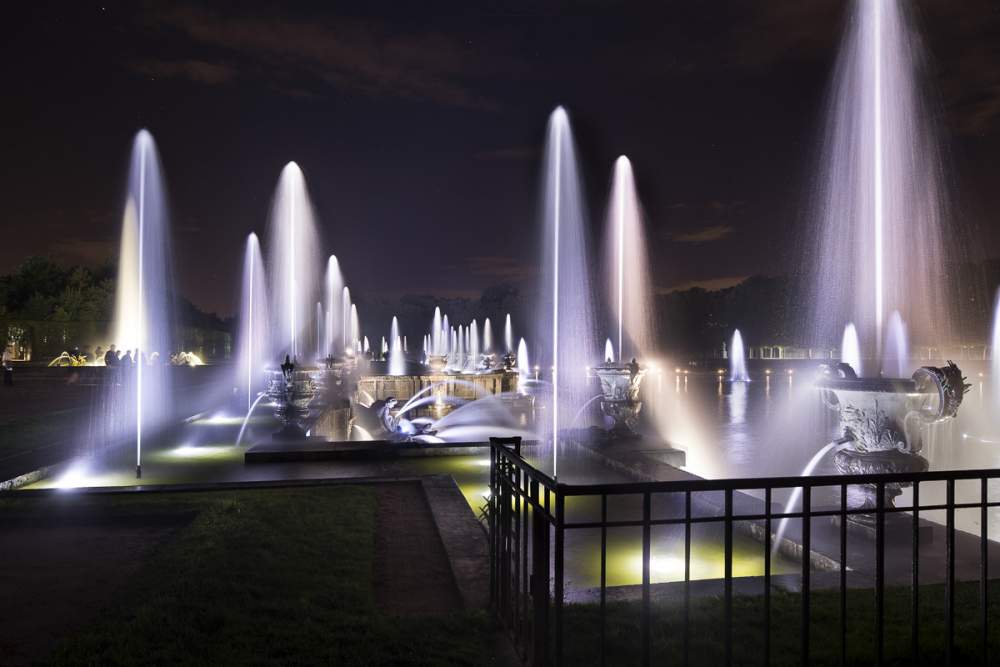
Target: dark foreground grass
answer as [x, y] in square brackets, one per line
[279, 576]
[707, 641]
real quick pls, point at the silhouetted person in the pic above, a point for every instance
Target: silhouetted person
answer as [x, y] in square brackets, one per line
[8, 368]
[111, 357]
[633, 367]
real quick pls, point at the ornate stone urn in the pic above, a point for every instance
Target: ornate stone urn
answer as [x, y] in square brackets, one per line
[510, 362]
[437, 362]
[292, 391]
[884, 420]
[620, 402]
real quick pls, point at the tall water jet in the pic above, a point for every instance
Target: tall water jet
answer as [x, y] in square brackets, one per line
[737, 359]
[523, 365]
[143, 319]
[345, 307]
[320, 321]
[508, 335]
[879, 244]
[850, 350]
[629, 287]
[566, 330]
[397, 363]
[487, 337]
[896, 352]
[609, 352]
[254, 350]
[354, 331]
[335, 341]
[437, 333]
[294, 264]
[473, 348]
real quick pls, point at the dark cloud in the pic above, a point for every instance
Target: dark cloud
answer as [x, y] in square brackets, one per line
[497, 268]
[710, 284]
[706, 235]
[350, 54]
[198, 71]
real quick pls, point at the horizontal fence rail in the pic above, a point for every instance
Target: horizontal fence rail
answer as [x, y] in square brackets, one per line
[528, 527]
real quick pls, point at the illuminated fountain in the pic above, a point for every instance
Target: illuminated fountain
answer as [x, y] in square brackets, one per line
[488, 358]
[253, 349]
[510, 357]
[850, 350]
[630, 292]
[294, 267]
[565, 321]
[397, 363]
[738, 359]
[337, 316]
[143, 323]
[880, 248]
[880, 243]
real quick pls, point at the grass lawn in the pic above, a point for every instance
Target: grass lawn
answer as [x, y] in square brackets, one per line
[707, 647]
[280, 576]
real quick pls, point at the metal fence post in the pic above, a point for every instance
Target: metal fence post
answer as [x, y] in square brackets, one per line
[560, 549]
[539, 582]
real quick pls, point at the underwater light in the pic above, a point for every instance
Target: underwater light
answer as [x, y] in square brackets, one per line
[661, 567]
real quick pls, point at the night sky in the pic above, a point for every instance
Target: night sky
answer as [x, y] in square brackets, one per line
[419, 128]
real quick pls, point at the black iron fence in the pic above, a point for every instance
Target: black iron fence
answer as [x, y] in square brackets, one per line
[529, 524]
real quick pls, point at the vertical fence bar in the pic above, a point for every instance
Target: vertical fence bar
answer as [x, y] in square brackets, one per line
[915, 578]
[559, 563]
[646, 555]
[984, 559]
[843, 575]
[950, 580]
[880, 572]
[503, 511]
[492, 519]
[518, 538]
[604, 572]
[806, 555]
[767, 575]
[528, 510]
[687, 576]
[728, 576]
[539, 582]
